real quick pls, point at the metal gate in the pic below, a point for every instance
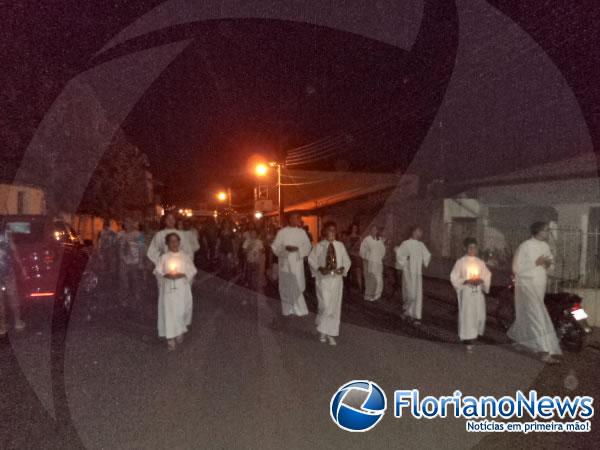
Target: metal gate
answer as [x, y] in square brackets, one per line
[576, 254]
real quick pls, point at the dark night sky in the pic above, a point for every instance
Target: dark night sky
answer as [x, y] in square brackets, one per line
[244, 86]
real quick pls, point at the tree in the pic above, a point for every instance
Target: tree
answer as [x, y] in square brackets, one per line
[83, 160]
[118, 184]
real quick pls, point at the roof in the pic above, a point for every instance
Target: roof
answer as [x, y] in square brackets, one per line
[309, 190]
[20, 185]
[580, 166]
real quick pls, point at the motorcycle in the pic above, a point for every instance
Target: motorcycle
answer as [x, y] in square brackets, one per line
[569, 319]
[565, 310]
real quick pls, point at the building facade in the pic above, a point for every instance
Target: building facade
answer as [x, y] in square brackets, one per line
[21, 199]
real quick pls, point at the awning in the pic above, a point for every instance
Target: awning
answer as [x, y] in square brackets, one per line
[311, 190]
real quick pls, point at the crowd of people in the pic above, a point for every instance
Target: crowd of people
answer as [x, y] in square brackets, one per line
[286, 259]
[257, 256]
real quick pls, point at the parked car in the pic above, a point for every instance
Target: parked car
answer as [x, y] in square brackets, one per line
[53, 259]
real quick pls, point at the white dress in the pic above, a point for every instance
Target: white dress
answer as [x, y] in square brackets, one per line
[291, 269]
[532, 327]
[471, 299]
[373, 251]
[411, 257]
[174, 296]
[330, 288]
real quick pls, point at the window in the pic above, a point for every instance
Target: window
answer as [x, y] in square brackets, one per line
[26, 232]
[21, 202]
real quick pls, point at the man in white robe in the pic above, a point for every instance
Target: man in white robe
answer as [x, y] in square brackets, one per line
[372, 251]
[471, 279]
[533, 328]
[329, 263]
[158, 245]
[291, 246]
[411, 257]
[192, 235]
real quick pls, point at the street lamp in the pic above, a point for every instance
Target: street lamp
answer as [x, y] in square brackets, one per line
[261, 170]
[224, 196]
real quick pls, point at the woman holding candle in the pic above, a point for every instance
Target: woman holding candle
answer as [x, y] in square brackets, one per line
[174, 271]
[471, 278]
[329, 263]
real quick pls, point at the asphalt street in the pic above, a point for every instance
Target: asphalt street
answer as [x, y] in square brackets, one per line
[245, 379]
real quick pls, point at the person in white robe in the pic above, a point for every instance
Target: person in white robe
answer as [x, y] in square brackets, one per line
[291, 246]
[189, 235]
[329, 263]
[192, 235]
[470, 278]
[411, 256]
[175, 272]
[372, 251]
[532, 327]
[158, 246]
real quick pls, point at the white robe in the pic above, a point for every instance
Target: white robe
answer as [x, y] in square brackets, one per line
[471, 301]
[330, 288]
[192, 238]
[373, 251]
[291, 269]
[532, 327]
[158, 246]
[174, 296]
[411, 257]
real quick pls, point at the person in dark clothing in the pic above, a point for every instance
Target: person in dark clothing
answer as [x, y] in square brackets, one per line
[9, 260]
[352, 243]
[225, 248]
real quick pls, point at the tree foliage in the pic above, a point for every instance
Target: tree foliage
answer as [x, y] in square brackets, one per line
[118, 184]
[80, 157]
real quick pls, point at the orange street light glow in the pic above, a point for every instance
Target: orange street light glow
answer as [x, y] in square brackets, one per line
[261, 169]
[222, 196]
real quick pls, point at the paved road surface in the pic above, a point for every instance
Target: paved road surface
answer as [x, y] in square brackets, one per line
[245, 379]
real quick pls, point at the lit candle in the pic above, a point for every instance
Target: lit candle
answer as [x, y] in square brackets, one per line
[473, 272]
[473, 275]
[173, 266]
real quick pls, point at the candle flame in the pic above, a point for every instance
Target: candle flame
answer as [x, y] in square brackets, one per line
[173, 266]
[473, 272]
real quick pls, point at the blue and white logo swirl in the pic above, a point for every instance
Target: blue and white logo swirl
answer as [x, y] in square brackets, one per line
[358, 406]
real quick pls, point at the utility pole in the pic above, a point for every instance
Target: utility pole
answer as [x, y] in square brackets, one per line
[279, 196]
